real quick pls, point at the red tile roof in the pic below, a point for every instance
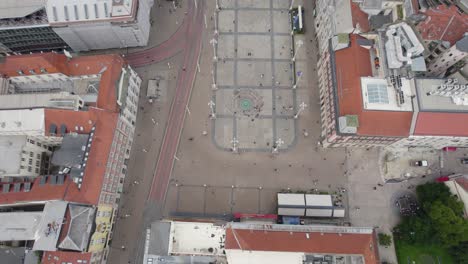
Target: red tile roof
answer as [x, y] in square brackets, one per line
[351, 64]
[110, 66]
[105, 123]
[59, 257]
[359, 17]
[444, 23]
[38, 192]
[441, 124]
[332, 243]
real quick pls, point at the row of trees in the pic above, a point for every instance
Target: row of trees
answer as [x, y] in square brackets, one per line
[439, 222]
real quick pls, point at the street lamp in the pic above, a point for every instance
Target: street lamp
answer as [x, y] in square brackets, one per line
[234, 142]
[216, 23]
[302, 106]
[214, 42]
[211, 104]
[277, 145]
[299, 44]
[213, 86]
[299, 75]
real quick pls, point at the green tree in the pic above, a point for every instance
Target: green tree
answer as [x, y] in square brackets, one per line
[415, 230]
[450, 228]
[431, 192]
[460, 253]
[385, 239]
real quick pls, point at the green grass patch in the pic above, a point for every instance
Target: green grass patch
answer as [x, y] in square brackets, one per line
[400, 12]
[421, 254]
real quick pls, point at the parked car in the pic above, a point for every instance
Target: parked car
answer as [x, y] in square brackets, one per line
[419, 163]
[464, 161]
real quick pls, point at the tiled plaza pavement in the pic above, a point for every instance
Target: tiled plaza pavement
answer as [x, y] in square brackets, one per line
[254, 100]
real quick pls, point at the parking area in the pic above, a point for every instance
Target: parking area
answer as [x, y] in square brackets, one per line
[403, 163]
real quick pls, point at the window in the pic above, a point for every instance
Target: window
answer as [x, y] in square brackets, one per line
[75, 8]
[377, 93]
[29, 169]
[86, 11]
[65, 9]
[38, 156]
[31, 154]
[30, 162]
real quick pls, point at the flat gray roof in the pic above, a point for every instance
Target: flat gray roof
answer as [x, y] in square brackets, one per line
[11, 147]
[19, 8]
[72, 151]
[435, 103]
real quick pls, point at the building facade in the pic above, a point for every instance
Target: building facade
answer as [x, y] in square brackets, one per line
[442, 60]
[88, 141]
[37, 25]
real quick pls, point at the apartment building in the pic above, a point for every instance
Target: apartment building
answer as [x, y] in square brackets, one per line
[440, 60]
[376, 107]
[82, 112]
[258, 242]
[44, 25]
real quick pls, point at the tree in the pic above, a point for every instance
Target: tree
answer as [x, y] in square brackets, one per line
[450, 228]
[385, 239]
[460, 253]
[415, 230]
[431, 192]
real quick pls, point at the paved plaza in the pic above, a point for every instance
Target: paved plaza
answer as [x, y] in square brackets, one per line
[254, 102]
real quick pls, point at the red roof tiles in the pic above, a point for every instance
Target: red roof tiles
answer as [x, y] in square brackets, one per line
[441, 124]
[351, 64]
[110, 66]
[332, 243]
[38, 192]
[105, 123]
[359, 17]
[444, 23]
[57, 257]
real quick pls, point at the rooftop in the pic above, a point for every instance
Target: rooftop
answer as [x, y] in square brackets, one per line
[55, 257]
[344, 20]
[72, 153]
[378, 94]
[14, 122]
[51, 224]
[19, 225]
[39, 100]
[318, 240]
[359, 17]
[41, 189]
[11, 148]
[18, 9]
[444, 23]
[350, 65]
[441, 124]
[109, 67]
[434, 94]
[195, 238]
[60, 11]
[79, 228]
[105, 124]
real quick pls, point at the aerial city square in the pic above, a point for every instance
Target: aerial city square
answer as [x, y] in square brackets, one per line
[234, 131]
